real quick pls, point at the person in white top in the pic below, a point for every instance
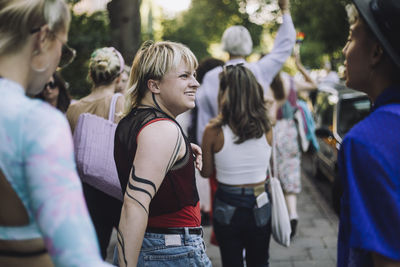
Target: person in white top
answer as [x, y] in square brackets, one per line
[237, 41]
[237, 144]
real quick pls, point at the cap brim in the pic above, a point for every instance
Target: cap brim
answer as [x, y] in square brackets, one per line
[365, 11]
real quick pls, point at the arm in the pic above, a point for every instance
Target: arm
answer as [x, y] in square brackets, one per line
[309, 83]
[119, 108]
[284, 42]
[208, 143]
[55, 192]
[157, 151]
[206, 101]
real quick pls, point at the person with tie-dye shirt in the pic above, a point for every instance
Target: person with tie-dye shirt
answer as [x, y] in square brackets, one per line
[43, 217]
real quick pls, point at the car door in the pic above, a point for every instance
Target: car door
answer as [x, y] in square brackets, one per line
[324, 115]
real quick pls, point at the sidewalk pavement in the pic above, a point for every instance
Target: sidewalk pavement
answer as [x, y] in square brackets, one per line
[315, 241]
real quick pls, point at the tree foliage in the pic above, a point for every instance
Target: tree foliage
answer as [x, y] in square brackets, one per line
[205, 22]
[125, 26]
[325, 26]
[119, 27]
[324, 23]
[87, 32]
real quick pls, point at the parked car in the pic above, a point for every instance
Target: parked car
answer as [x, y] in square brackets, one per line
[336, 109]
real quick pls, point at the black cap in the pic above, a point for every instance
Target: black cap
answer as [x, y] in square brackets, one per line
[383, 17]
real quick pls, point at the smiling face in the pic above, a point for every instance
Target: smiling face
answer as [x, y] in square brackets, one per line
[178, 89]
[358, 53]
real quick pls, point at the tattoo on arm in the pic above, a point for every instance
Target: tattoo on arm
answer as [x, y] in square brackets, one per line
[175, 152]
[129, 195]
[143, 181]
[121, 242]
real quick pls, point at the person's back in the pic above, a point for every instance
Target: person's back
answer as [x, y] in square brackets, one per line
[243, 163]
[33, 142]
[105, 68]
[237, 143]
[236, 40]
[98, 105]
[43, 217]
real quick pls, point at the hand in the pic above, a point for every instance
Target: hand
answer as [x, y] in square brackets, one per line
[284, 5]
[198, 156]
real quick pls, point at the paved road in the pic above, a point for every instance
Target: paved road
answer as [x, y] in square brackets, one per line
[315, 242]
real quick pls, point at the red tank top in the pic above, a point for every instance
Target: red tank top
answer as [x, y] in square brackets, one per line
[176, 202]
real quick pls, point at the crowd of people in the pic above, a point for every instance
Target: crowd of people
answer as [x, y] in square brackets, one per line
[241, 113]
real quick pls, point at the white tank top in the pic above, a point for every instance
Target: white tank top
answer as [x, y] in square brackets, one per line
[244, 163]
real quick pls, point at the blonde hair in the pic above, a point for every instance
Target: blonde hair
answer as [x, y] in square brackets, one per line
[352, 13]
[105, 65]
[153, 61]
[18, 18]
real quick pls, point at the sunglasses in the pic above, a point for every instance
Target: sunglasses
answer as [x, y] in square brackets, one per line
[52, 85]
[68, 54]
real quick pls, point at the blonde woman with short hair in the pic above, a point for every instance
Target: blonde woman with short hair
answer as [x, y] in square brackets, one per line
[43, 217]
[160, 218]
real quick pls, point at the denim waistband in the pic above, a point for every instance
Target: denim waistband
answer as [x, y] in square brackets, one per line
[236, 190]
[174, 231]
[235, 199]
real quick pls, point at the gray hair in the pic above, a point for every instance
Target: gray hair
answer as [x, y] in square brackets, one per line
[236, 40]
[19, 17]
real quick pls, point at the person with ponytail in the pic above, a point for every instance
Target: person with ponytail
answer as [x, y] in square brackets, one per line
[105, 67]
[44, 221]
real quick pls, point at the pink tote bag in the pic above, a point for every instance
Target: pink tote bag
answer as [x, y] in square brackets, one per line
[94, 151]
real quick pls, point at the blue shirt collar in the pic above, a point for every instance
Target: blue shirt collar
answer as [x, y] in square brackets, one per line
[389, 95]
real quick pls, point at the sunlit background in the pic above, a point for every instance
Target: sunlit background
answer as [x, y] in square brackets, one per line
[169, 7]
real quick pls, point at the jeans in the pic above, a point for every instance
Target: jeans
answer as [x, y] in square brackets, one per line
[156, 253]
[236, 229]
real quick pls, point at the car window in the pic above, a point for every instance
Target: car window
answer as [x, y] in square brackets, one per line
[324, 107]
[351, 111]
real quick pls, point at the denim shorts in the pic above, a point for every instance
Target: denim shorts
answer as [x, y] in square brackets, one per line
[159, 250]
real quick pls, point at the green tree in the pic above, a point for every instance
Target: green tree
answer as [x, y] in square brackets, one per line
[125, 26]
[323, 22]
[119, 26]
[204, 23]
[325, 26]
[87, 32]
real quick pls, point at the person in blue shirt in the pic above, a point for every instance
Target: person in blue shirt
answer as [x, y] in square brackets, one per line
[369, 158]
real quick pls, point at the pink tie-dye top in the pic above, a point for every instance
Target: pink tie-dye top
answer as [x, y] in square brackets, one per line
[36, 157]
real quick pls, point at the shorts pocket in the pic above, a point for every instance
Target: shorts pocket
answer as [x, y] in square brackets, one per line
[172, 256]
[223, 212]
[262, 214]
